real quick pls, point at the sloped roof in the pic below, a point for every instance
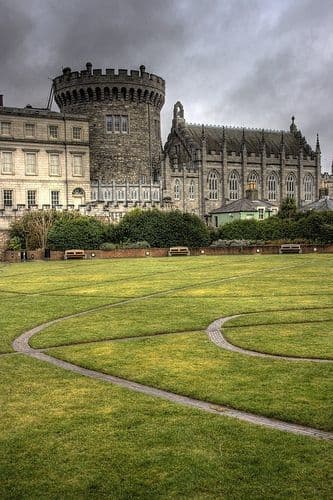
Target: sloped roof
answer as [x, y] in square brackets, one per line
[243, 205]
[40, 113]
[321, 205]
[253, 139]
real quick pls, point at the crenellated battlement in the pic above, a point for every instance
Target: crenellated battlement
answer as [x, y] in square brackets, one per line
[74, 87]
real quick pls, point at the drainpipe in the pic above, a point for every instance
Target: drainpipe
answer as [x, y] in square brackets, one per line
[66, 162]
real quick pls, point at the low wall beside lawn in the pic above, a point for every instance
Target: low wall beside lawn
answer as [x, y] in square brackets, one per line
[18, 256]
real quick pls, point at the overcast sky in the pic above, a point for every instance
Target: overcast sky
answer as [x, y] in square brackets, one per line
[248, 63]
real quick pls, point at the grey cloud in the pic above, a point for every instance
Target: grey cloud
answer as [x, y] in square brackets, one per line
[250, 62]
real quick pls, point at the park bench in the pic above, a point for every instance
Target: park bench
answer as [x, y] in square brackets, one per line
[175, 251]
[290, 248]
[74, 254]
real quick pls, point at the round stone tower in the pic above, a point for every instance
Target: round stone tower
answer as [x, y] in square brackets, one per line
[123, 109]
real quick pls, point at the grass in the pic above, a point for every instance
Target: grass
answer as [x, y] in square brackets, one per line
[190, 364]
[303, 333]
[64, 436]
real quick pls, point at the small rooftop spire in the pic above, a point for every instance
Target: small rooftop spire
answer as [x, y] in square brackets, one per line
[293, 127]
[317, 145]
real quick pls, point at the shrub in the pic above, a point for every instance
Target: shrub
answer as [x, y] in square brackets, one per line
[76, 231]
[108, 246]
[162, 229]
[137, 244]
[14, 243]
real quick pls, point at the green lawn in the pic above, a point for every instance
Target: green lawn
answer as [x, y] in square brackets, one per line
[303, 333]
[192, 365]
[65, 436]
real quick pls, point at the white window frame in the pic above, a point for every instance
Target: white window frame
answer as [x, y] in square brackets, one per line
[7, 168]
[54, 167]
[77, 133]
[213, 188]
[120, 195]
[124, 124]
[261, 213]
[29, 203]
[6, 128]
[54, 196]
[290, 186]
[177, 190]
[272, 187]
[117, 124]
[191, 190]
[233, 186]
[77, 168]
[53, 131]
[308, 187]
[4, 193]
[33, 128]
[30, 167]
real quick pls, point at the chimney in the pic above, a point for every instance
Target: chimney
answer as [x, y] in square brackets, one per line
[251, 192]
[1, 101]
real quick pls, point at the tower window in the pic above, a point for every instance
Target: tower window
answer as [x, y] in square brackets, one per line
[117, 124]
[109, 123]
[124, 124]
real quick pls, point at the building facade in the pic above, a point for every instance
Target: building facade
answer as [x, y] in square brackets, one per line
[44, 161]
[102, 153]
[208, 166]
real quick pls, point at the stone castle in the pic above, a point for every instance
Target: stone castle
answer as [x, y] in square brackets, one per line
[102, 153]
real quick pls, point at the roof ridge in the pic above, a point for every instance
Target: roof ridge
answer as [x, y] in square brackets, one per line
[239, 128]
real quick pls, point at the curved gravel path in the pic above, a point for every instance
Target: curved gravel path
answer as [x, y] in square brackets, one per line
[215, 335]
[21, 345]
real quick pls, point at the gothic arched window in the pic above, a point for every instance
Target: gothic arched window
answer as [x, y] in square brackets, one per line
[191, 190]
[233, 186]
[272, 187]
[290, 183]
[212, 186]
[177, 189]
[308, 187]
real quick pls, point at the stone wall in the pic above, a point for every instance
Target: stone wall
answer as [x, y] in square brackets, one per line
[123, 154]
[11, 256]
